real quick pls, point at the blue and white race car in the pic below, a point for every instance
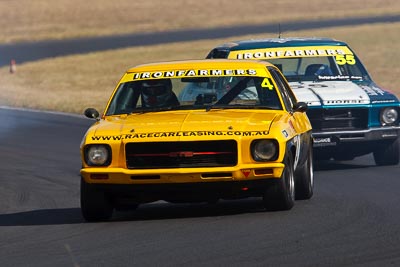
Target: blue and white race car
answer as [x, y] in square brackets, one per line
[350, 114]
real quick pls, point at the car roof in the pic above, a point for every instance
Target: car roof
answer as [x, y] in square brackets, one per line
[200, 64]
[280, 42]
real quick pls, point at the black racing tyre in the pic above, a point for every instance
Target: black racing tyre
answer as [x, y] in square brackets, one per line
[388, 154]
[95, 206]
[280, 194]
[130, 207]
[304, 178]
[212, 201]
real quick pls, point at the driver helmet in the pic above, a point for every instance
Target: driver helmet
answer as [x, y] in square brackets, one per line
[156, 93]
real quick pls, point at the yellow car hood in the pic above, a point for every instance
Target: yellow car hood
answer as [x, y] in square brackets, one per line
[177, 125]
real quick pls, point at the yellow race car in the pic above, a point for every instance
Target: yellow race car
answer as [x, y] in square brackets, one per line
[197, 131]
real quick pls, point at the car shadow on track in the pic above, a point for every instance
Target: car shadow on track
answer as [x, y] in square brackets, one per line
[357, 163]
[42, 217]
[339, 165]
[152, 211]
[163, 210]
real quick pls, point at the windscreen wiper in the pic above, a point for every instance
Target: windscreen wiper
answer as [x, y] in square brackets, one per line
[230, 95]
[147, 110]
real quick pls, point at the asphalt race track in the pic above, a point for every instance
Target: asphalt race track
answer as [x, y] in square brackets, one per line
[352, 220]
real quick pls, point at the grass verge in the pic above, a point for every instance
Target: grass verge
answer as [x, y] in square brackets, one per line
[72, 83]
[27, 20]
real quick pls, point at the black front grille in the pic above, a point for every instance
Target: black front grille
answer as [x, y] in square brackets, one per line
[337, 119]
[153, 155]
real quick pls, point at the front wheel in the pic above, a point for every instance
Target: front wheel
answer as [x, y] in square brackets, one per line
[95, 206]
[280, 194]
[388, 154]
[305, 178]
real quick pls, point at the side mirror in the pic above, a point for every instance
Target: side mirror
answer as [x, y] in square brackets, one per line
[300, 107]
[92, 113]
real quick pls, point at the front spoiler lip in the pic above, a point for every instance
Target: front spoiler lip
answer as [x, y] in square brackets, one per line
[371, 130]
[184, 192]
[369, 135]
[132, 176]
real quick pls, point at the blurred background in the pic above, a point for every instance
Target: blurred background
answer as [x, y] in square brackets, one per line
[71, 82]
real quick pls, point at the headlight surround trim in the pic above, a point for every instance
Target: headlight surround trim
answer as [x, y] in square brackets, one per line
[264, 150]
[98, 155]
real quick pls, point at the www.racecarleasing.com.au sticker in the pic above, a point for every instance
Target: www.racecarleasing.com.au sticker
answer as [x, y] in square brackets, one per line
[178, 134]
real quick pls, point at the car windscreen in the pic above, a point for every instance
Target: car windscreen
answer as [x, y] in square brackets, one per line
[246, 92]
[320, 68]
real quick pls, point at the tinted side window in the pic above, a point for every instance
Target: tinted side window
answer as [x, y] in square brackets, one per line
[218, 53]
[289, 97]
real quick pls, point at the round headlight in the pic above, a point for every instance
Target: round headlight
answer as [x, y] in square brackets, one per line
[264, 150]
[97, 155]
[389, 115]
